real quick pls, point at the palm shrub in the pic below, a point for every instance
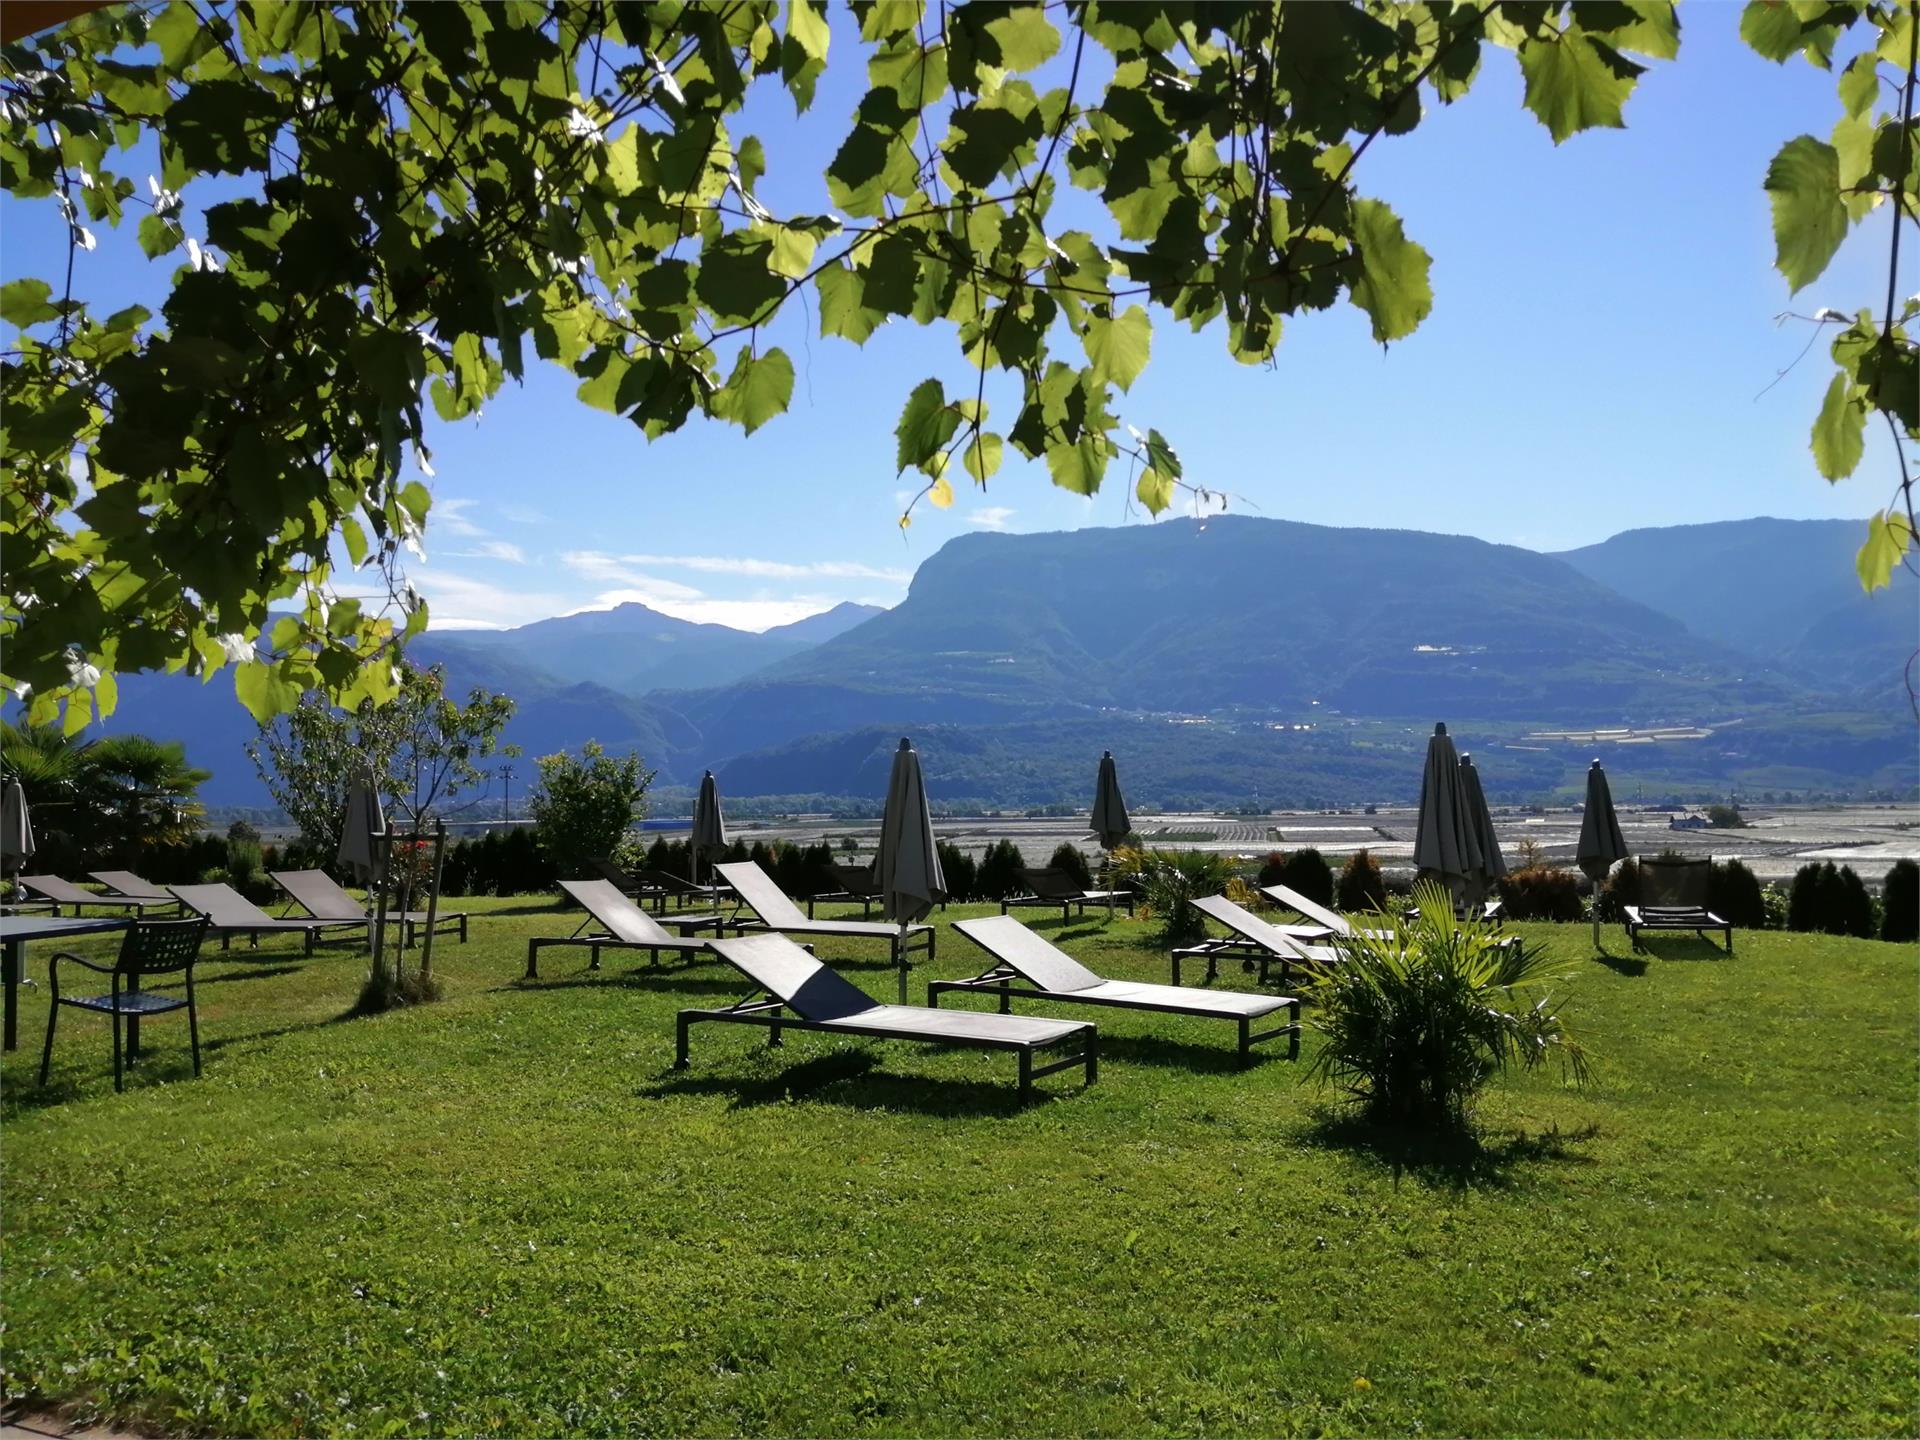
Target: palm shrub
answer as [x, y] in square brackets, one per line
[1900, 920]
[1360, 887]
[1169, 881]
[1416, 1021]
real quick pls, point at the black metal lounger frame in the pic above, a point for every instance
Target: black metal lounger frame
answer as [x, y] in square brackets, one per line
[1696, 918]
[770, 1012]
[999, 981]
[1238, 947]
[690, 927]
[916, 939]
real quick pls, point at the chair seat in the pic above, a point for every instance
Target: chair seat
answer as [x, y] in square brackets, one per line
[130, 1002]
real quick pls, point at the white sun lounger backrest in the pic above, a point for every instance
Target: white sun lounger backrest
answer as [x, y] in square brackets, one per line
[787, 972]
[1035, 957]
[763, 895]
[225, 906]
[1314, 911]
[1248, 926]
[621, 918]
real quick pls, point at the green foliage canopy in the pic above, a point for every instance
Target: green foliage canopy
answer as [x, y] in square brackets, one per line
[404, 204]
[416, 200]
[583, 806]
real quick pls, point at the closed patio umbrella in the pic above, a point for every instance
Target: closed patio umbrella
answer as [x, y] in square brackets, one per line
[1601, 843]
[908, 870]
[363, 850]
[1110, 822]
[1480, 819]
[709, 826]
[1444, 845]
[16, 829]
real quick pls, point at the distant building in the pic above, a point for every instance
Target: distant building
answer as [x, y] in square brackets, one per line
[1689, 822]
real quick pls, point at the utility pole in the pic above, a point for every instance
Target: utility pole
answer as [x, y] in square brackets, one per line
[506, 792]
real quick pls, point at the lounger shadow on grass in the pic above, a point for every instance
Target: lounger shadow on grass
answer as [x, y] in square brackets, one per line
[855, 1079]
[1678, 947]
[1632, 966]
[642, 978]
[1457, 1160]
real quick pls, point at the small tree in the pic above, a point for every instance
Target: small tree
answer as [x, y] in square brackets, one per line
[1072, 859]
[424, 749]
[1726, 817]
[583, 807]
[1361, 887]
[996, 879]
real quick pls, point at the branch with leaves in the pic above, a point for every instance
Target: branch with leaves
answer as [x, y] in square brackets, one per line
[410, 195]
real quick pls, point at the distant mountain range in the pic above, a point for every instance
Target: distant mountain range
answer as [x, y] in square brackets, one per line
[1231, 658]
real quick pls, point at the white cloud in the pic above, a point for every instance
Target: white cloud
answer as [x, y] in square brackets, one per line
[458, 603]
[604, 569]
[493, 550]
[450, 516]
[522, 514]
[771, 569]
[990, 517]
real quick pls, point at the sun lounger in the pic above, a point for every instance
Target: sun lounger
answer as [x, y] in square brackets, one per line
[125, 882]
[1674, 897]
[857, 887]
[803, 994]
[322, 897]
[230, 913]
[1048, 886]
[623, 925]
[1052, 974]
[1256, 941]
[64, 892]
[1317, 913]
[769, 902]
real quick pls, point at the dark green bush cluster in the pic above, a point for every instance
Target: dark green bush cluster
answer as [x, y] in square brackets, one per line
[1070, 858]
[1304, 871]
[1733, 893]
[962, 872]
[500, 862]
[1541, 892]
[1830, 900]
[1360, 888]
[1900, 920]
[997, 877]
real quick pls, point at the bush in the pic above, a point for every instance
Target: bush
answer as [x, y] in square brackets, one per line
[1305, 871]
[1541, 892]
[1360, 888]
[961, 871]
[582, 806]
[1856, 906]
[1072, 859]
[1170, 881]
[996, 878]
[1900, 903]
[1775, 901]
[1816, 903]
[1734, 895]
[1416, 1023]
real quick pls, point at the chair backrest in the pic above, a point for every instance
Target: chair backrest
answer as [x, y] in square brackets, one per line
[1033, 956]
[781, 968]
[1314, 911]
[1674, 881]
[1049, 883]
[223, 905]
[125, 882]
[663, 880]
[856, 879]
[607, 870]
[617, 914]
[762, 894]
[1246, 924]
[320, 893]
[54, 888]
[160, 947]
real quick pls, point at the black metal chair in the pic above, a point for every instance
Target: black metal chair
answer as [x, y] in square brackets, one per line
[151, 947]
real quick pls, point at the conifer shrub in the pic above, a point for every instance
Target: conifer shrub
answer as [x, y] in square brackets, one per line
[1072, 859]
[1815, 903]
[1733, 893]
[1856, 915]
[961, 871]
[1361, 888]
[1304, 871]
[1541, 892]
[1900, 903]
[997, 876]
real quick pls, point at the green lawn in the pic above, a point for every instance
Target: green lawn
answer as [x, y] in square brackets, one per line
[505, 1213]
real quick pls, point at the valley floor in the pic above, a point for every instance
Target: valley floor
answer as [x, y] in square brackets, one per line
[506, 1213]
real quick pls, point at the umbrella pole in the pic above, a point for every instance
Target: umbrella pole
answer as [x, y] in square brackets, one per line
[433, 895]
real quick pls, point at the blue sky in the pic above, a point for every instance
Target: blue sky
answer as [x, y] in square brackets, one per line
[1604, 320]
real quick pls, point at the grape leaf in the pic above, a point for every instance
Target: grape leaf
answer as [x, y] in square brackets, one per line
[1117, 349]
[926, 424]
[1809, 217]
[1888, 538]
[1393, 287]
[1838, 430]
[1155, 490]
[759, 388]
[1576, 83]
